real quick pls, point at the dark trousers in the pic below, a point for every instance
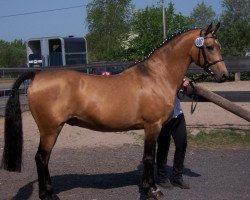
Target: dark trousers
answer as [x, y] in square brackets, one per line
[177, 128]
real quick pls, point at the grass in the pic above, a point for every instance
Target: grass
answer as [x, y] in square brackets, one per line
[220, 139]
[215, 139]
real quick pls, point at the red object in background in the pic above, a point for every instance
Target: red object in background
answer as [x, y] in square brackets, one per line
[106, 73]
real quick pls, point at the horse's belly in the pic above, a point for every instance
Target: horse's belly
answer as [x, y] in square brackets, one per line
[108, 114]
[96, 125]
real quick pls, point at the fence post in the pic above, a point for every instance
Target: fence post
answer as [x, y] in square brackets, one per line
[237, 76]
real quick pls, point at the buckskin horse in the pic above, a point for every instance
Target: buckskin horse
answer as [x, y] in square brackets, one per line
[141, 97]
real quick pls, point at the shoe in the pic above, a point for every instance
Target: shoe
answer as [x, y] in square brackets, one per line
[166, 184]
[179, 183]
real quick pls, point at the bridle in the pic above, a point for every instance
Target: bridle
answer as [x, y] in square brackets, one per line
[200, 45]
[199, 42]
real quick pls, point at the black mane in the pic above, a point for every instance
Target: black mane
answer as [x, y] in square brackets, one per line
[166, 41]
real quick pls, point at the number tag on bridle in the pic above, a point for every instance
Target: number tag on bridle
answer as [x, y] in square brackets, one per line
[199, 42]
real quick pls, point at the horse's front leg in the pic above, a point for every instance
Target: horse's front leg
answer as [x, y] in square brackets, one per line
[148, 183]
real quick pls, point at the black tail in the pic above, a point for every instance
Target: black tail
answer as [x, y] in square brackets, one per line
[13, 133]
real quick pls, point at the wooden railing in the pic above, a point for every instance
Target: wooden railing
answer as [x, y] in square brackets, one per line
[234, 65]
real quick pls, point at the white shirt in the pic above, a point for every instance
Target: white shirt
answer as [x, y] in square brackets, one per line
[177, 108]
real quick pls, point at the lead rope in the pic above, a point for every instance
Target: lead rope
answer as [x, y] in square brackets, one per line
[181, 95]
[194, 96]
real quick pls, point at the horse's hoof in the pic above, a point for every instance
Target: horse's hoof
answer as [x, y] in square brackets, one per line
[154, 193]
[55, 197]
[50, 197]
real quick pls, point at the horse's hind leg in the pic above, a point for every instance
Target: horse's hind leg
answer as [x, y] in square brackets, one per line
[148, 184]
[47, 141]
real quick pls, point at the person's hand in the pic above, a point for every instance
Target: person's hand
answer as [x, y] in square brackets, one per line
[187, 87]
[185, 83]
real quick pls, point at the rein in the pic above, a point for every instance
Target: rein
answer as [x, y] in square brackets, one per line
[200, 45]
[194, 96]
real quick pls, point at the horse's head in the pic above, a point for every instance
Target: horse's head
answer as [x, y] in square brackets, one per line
[207, 54]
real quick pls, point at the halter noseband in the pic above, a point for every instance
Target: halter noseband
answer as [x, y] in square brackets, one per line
[200, 45]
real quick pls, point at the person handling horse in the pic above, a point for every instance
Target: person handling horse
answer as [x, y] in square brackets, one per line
[177, 128]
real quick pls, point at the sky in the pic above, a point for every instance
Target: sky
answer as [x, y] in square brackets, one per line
[65, 22]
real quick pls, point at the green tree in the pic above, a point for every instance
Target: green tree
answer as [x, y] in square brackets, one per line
[235, 31]
[12, 54]
[147, 30]
[202, 15]
[108, 22]
[175, 22]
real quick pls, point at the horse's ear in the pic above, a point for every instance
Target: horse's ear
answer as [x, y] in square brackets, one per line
[209, 28]
[216, 28]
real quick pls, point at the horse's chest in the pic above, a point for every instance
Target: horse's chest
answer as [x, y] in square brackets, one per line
[157, 110]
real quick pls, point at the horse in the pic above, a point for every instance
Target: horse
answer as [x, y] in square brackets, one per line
[141, 97]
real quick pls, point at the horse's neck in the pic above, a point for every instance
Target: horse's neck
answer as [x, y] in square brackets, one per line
[171, 61]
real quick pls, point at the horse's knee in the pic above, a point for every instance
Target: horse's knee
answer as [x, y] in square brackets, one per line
[38, 159]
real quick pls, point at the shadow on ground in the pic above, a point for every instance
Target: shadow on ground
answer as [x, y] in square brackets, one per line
[99, 181]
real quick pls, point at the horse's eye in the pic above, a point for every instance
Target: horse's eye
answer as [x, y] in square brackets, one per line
[210, 48]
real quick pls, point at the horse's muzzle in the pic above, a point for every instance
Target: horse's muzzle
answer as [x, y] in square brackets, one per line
[221, 78]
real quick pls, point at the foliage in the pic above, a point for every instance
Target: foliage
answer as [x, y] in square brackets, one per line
[234, 33]
[202, 15]
[12, 54]
[132, 35]
[245, 76]
[147, 28]
[108, 23]
[175, 22]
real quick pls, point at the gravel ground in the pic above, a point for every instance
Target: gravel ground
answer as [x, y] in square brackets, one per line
[106, 173]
